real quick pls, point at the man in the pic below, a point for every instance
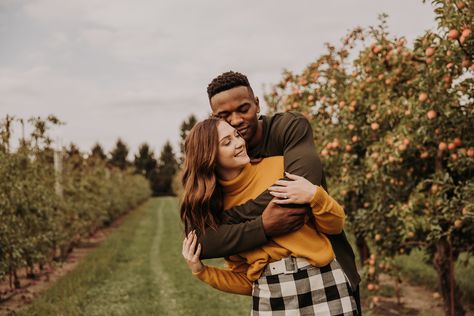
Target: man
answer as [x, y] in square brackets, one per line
[252, 224]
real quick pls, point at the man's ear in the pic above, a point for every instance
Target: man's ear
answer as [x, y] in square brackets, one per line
[257, 103]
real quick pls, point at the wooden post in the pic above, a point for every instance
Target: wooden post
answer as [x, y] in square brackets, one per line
[58, 169]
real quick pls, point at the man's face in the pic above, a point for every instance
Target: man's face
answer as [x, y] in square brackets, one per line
[239, 108]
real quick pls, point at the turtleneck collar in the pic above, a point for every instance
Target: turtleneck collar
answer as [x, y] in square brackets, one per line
[239, 183]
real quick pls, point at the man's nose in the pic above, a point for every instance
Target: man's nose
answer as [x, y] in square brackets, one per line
[235, 119]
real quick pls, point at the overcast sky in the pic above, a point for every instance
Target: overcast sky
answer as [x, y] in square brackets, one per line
[137, 69]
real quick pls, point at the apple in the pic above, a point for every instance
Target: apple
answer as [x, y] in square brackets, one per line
[348, 148]
[424, 155]
[375, 126]
[457, 223]
[422, 97]
[453, 34]
[350, 127]
[378, 237]
[442, 146]
[466, 32]
[470, 152]
[460, 5]
[429, 51]
[431, 114]
[466, 63]
[458, 141]
[377, 49]
[375, 299]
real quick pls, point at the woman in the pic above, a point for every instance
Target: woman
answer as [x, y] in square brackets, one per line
[296, 273]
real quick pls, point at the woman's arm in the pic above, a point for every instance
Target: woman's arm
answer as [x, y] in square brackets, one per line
[232, 281]
[329, 215]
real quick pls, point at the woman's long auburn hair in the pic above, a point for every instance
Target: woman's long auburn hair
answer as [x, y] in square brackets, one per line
[202, 197]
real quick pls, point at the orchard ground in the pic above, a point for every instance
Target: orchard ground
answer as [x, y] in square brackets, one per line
[138, 270]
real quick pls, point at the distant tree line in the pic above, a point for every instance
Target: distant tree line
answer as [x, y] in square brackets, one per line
[159, 172]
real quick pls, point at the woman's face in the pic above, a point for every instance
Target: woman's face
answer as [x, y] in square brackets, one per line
[232, 152]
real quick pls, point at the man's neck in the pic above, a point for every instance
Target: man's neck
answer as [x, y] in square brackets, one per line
[258, 138]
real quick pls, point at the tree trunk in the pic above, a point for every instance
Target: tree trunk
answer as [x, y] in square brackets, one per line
[443, 262]
[16, 280]
[363, 249]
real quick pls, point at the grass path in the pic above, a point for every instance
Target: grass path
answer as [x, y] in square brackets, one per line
[138, 270]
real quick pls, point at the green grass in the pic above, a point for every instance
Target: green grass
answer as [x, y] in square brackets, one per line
[138, 270]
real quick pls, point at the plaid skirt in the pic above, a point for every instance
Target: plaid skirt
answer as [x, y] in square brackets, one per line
[309, 291]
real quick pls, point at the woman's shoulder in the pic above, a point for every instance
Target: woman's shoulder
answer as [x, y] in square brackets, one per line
[269, 162]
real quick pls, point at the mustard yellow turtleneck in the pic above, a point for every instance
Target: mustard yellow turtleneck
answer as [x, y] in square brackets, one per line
[308, 242]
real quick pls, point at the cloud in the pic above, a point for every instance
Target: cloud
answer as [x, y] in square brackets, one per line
[136, 69]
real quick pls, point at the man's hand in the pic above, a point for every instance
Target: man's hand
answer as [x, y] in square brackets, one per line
[279, 220]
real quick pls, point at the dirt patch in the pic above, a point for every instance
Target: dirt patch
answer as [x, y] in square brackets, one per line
[12, 300]
[414, 300]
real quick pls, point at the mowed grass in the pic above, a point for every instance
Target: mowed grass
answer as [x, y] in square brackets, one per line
[138, 270]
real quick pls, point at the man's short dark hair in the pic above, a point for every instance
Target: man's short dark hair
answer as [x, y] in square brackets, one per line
[227, 81]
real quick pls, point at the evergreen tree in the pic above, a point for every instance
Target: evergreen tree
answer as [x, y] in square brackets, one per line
[97, 152]
[184, 129]
[74, 156]
[167, 167]
[145, 162]
[119, 155]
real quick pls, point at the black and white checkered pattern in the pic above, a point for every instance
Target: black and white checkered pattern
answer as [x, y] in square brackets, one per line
[309, 291]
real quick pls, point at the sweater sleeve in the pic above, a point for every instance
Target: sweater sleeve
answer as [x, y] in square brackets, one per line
[233, 280]
[329, 216]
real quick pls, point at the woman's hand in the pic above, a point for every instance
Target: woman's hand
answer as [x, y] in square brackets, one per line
[191, 254]
[298, 191]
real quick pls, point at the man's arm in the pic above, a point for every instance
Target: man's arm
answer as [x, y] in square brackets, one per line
[291, 136]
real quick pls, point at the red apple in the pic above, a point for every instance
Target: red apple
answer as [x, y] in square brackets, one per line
[429, 51]
[457, 141]
[431, 114]
[422, 97]
[453, 34]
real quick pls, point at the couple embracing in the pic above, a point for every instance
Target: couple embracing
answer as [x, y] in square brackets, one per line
[255, 193]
